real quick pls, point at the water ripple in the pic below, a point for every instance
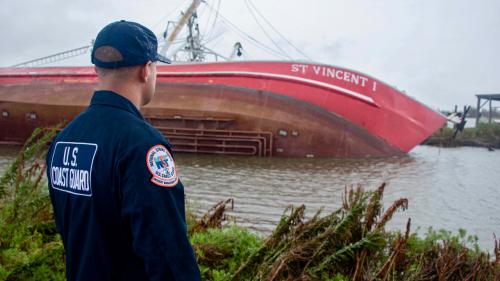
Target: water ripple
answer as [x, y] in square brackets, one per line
[447, 188]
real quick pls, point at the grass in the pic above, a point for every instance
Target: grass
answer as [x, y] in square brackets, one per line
[350, 243]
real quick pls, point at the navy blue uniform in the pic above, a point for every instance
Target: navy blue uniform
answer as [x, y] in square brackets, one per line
[118, 203]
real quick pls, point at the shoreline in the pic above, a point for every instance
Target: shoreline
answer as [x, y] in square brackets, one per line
[442, 142]
[484, 135]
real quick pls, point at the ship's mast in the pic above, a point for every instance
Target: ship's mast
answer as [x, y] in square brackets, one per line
[182, 22]
[192, 49]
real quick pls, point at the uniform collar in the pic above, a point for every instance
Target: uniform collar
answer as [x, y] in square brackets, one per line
[111, 98]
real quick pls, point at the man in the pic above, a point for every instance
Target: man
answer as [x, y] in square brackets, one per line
[118, 203]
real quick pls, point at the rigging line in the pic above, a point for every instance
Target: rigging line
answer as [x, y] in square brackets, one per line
[252, 40]
[208, 40]
[243, 34]
[209, 17]
[198, 20]
[176, 41]
[185, 32]
[265, 32]
[169, 13]
[213, 42]
[55, 57]
[201, 13]
[281, 35]
[212, 30]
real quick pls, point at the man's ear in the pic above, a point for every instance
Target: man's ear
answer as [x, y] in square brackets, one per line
[145, 72]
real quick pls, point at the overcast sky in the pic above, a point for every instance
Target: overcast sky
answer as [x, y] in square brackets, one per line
[442, 52]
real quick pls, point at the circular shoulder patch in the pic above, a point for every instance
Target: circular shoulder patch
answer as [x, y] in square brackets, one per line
[161, 166]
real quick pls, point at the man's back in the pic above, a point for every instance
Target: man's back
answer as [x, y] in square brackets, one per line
[116, 221]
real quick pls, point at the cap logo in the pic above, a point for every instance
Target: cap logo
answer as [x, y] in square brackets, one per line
[161, 166]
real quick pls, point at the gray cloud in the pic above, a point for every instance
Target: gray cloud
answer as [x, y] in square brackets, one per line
[441, 52]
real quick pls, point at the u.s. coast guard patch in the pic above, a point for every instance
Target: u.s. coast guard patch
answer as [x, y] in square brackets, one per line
[161, 165]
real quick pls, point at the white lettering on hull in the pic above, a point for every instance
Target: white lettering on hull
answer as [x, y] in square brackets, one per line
[337, 74]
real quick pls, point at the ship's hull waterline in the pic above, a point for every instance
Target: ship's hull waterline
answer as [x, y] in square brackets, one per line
[243, 108]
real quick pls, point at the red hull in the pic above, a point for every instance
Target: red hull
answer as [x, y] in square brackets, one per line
[254, 108]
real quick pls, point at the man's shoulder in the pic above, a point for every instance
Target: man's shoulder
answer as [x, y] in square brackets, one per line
[138, 135]
[114, 129]
[119, 122]
[143, 130]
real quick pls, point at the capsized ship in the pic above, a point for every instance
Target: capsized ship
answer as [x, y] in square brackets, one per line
[262, 108]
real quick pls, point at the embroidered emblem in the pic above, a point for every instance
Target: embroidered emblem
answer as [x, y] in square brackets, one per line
[161, 166]
[71, 167]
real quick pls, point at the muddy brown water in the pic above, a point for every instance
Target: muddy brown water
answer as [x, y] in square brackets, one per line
[447, 188]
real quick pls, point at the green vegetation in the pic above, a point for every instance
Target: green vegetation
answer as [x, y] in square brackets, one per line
[30, 248]
[484, 135]
[350, 243]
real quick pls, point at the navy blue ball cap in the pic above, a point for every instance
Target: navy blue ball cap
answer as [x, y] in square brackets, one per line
[124, 43]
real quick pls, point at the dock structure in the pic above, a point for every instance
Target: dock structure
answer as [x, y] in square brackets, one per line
[489, 98]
